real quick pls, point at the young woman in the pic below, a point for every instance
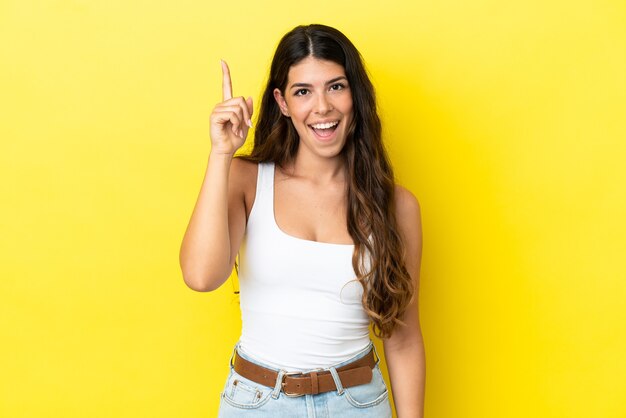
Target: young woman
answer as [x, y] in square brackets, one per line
[328, 243]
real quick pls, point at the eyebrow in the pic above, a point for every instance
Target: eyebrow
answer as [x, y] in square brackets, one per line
[341, 77]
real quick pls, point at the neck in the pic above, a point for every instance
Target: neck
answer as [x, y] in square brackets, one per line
[319, 169]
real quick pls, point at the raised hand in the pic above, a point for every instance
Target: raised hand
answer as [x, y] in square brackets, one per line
[230, 119]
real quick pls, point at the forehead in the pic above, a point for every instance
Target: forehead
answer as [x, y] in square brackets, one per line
[314, 71]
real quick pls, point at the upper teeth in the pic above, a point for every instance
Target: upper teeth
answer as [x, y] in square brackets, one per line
[325, 125]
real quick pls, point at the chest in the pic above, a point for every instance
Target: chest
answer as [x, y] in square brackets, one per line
[312, 212]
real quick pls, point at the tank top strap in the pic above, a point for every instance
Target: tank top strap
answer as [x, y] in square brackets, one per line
[266, 177]
[263, 206]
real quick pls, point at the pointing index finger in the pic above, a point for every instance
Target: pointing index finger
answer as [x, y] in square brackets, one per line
[227, 88]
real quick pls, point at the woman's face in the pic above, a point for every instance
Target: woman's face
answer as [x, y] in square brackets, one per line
[319, 102]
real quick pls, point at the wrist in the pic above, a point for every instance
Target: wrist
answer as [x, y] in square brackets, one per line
[216, 154]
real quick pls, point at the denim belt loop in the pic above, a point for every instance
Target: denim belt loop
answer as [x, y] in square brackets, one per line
[337, 380]
[376, 352]
[279, 384]
[233, 355]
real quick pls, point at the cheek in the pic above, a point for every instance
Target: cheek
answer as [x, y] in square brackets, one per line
[299, 116]
[347, 105]
[296, 110]
[299, 122]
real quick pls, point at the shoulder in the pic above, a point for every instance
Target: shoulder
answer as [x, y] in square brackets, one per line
[243, 178]
[244, 169]
[408, 218]
[243, 173]
[406, 203]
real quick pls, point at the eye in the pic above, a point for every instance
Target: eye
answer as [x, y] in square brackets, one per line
[300, 92]
[338, 86]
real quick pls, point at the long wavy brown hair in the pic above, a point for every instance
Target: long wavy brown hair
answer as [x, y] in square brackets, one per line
[387, 285]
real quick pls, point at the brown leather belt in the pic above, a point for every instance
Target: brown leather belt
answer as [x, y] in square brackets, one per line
[297, 384]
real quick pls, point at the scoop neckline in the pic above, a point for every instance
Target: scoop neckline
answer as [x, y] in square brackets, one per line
[292, 237]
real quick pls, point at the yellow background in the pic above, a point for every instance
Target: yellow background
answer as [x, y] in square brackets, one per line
[505, 118]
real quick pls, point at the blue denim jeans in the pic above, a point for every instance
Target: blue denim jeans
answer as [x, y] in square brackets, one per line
[250, 399]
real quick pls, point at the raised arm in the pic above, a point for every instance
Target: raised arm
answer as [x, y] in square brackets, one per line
[215, 231]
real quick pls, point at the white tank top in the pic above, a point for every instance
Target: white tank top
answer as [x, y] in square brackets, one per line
[300, 301]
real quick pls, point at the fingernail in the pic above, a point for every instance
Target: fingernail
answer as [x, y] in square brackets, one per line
[241, 133]
[249, 122]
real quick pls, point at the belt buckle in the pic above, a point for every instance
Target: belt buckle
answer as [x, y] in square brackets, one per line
[296, 395]
[282, 385]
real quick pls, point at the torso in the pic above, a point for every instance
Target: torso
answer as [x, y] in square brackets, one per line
[316, 279]
[301, 302]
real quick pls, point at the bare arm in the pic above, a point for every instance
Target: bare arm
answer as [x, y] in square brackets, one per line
[404, 350]
[216, 228]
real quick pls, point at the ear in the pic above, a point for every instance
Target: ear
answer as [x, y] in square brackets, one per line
[282, 103]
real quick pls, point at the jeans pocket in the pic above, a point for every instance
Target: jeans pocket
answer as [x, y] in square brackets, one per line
[244, 393]
[368, 394]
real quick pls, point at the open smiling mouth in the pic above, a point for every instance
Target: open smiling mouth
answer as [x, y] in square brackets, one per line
[324, 130]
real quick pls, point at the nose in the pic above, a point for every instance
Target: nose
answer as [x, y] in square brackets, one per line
[323, 105]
